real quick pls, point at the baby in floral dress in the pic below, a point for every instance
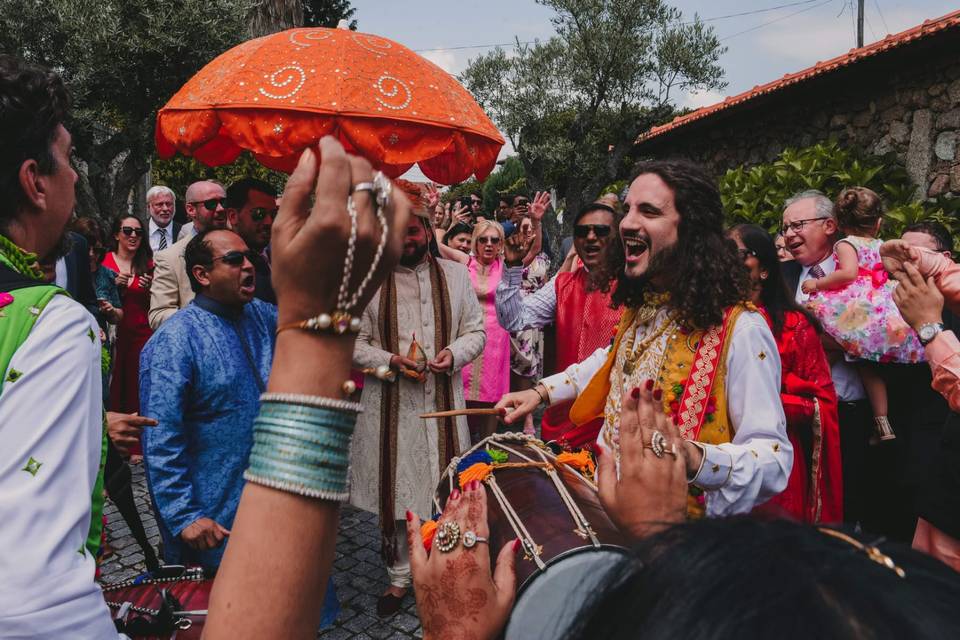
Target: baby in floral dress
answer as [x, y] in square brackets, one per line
[855, 305]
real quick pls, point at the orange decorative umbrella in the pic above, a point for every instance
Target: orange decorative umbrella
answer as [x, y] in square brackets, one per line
[278, 94]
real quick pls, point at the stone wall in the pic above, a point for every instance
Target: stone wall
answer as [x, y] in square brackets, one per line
[905, 102]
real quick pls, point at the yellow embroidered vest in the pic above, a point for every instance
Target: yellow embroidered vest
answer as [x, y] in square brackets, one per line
[699, 410]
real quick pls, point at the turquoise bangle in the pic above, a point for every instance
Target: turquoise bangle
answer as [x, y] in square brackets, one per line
[302, 449]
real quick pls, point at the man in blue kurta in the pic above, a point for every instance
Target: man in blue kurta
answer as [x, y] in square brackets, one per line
[201, 376]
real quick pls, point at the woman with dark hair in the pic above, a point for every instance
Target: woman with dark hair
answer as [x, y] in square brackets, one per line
[458, 237]
[814, 490]
[132, 261]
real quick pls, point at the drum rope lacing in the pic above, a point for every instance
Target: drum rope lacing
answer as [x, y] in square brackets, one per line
[531, 548]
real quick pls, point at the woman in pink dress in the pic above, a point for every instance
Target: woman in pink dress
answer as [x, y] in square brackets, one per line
[132, 261]
[487, 379]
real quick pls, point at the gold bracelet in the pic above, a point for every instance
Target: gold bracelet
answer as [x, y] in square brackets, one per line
[543, 400]
[339, 323]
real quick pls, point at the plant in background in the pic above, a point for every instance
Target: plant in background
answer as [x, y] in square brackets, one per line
[756, 194]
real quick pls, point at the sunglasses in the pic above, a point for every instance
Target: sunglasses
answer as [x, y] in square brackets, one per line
[488, 240]
[259, 213]
[583, 230]
[211, 203]
[131, 231]
[235, 258]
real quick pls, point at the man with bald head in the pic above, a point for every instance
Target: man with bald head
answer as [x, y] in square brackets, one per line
[207, 207]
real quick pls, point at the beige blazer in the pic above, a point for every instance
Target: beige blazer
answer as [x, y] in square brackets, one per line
[170, 290]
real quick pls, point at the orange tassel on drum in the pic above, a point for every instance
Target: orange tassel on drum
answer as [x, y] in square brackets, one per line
[478, 472]
[581, 460]
[427, 530]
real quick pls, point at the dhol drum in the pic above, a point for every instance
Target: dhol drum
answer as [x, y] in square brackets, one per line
[168, 603]
[569, 543]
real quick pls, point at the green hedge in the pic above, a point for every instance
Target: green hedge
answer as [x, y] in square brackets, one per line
[756, 194]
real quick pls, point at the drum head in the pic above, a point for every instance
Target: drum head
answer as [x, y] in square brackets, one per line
[550, 601]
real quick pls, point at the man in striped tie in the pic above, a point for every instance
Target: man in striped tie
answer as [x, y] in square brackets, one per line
[809, 230]
[162, 230]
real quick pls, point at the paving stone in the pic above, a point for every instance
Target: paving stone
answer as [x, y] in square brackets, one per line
[359, 573]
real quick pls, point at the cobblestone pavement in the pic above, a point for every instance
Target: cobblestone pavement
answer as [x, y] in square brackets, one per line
[359, 574]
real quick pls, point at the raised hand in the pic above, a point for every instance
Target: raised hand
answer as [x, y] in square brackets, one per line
[651, 492]
[457, 594]
[539, 205]
[309, 242]
[432, 195]
[515, 248]
[895, 253]
[460, 213]
[919, 301]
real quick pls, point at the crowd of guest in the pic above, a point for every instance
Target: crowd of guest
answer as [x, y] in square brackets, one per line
[837, 381]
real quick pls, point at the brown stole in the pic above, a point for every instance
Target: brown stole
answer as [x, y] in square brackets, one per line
[449, 444]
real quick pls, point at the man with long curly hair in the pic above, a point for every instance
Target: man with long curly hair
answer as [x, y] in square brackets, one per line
[685, 330]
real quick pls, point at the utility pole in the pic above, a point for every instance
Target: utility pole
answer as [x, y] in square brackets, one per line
[859, 23]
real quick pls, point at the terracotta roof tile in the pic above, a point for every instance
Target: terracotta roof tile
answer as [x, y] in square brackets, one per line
[927, 28]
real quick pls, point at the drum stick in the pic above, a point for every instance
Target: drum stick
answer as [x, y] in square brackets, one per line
[462, 412]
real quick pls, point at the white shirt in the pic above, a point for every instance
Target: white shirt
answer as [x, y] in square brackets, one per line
[846, 380]
[60, 269]
[155, 230]
[53, 415]
[755, 465]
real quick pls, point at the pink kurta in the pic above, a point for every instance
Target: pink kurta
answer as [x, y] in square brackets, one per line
[487, 379]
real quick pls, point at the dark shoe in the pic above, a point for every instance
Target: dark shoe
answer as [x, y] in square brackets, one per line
[388, 604]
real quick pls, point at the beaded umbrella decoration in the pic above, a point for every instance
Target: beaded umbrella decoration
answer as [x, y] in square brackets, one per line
[278, 94]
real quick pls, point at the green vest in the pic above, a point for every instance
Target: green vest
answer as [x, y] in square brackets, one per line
[16, 322]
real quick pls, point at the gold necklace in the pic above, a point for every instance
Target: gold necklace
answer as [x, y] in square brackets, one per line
[633, 354]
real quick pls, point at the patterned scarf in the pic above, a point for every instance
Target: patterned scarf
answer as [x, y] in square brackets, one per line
[390, 402]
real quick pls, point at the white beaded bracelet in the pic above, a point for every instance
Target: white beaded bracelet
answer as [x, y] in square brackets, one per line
[312, 401]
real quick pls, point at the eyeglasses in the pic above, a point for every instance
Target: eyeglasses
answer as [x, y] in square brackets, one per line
[746, 253]
[235, 258]
[797, 225]
[488, 240]
[211, 203]
[583, 230]
[259, 213]
[131, 231]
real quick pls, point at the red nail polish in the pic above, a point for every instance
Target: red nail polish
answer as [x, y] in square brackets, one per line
[657, 394]
[455, 494]
[502, 411]
[474, 485]
[635, 393]
[516, 545]
[409, 516]
[649, 384]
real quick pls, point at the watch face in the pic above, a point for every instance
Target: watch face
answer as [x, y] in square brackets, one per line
[928, 331]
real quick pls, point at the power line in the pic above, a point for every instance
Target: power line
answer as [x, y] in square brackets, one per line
[713, 19]
[781, 18]
[876, 3]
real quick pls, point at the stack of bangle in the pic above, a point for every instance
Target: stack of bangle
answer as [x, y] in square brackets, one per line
[301, 444]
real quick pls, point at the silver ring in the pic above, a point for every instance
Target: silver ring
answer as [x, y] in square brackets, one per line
[658, 443]
[470, 539]
[363, 186]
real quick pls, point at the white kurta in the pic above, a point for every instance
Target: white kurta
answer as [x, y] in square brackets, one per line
[418, 470]
[51, 430]
[755, 465]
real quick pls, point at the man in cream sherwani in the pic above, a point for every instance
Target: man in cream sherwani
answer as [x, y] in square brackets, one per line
[397, 457]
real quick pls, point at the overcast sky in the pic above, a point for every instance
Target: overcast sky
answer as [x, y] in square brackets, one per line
[761, 46]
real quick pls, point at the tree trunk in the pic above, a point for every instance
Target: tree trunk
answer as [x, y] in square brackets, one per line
[271, 16]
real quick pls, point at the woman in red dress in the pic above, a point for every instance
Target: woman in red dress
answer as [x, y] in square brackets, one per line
[132, 261]
[814, 490]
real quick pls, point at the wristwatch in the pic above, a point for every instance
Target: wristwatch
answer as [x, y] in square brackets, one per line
[929, 331]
